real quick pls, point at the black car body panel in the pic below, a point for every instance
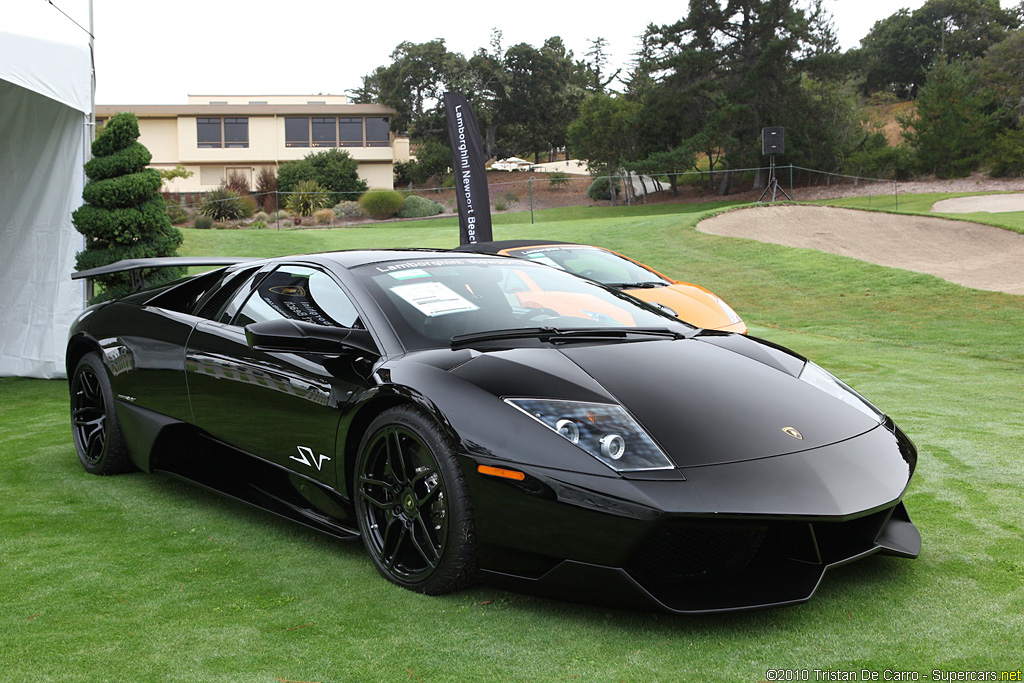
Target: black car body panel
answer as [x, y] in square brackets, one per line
[768, 481]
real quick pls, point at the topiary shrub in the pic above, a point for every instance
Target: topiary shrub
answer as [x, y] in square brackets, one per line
[348, 210]
[599, 189]
[381, 203]
[224, 204]
[323, 216]
[415, 206]
[124, 216]
[307, 197]
[202, 223]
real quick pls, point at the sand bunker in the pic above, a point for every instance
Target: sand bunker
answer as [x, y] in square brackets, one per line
[969, 254]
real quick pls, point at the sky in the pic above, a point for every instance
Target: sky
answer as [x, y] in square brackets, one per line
[160, 53]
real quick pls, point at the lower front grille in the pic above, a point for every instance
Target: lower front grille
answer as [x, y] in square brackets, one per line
[686, 550]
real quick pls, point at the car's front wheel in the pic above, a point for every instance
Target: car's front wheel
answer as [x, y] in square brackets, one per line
[97, 433]
[412, 504]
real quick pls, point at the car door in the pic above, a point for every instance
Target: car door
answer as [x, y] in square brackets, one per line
[282, 407]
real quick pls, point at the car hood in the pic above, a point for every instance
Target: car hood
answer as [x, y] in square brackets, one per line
[692, 304]
[704, 403]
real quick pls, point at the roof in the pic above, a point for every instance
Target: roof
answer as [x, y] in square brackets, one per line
[173, 110]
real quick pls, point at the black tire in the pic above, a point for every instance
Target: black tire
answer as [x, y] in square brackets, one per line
[413, 508]
[97, 432]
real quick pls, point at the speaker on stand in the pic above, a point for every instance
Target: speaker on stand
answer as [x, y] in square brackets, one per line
[773, 141]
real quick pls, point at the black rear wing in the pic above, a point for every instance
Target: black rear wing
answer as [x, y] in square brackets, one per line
[137, 265]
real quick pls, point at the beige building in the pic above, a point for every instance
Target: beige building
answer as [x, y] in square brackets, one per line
[216, 135]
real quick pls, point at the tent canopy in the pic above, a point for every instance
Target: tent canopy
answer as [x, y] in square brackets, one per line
[46, 90]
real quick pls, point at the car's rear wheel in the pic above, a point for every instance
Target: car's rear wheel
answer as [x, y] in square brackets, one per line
[97, 433]
[412, 504]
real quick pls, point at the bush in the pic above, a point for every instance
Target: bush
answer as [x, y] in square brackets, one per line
[307, 197]
[499, 205]
[203, 223]
[415, 206]
[177, 214]
[348, 210]
[323, 216]
[599, 189]
[237, 182]
[266, 188]
[558, 179]
[333, 169]
[261, 216]
[258, 225]
[1008, 155]
[381, 203]
[877, 159]
[225, 204]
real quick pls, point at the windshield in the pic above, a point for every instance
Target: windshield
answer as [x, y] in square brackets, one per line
[430, 302]
[590, 262]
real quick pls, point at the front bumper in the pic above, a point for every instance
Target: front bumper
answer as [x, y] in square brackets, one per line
[717, 538]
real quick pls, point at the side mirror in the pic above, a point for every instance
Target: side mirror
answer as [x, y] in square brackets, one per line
[295, 336]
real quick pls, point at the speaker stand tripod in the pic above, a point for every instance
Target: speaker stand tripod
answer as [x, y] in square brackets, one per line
[773, 183]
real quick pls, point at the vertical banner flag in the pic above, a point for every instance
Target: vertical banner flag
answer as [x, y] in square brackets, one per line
[470, 174]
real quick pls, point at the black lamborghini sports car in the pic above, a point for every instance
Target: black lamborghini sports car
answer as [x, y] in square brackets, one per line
[471, 417]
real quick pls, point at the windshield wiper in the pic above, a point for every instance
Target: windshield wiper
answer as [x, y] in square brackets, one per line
[551, 334]
[637, 285]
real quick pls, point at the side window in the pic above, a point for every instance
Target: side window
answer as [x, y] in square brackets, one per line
[298, 293]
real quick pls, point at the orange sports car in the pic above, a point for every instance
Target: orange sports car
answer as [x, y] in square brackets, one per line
[687, 301]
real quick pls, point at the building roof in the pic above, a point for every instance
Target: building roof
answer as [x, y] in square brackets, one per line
[172, 110]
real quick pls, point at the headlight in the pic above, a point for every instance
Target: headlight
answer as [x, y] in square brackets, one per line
[727, 309]
[605, 431]
[833, 386]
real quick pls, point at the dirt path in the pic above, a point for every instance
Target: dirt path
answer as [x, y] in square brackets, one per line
[969, 254]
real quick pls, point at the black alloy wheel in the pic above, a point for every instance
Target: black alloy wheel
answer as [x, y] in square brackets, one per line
[97, 433]
[412, 504]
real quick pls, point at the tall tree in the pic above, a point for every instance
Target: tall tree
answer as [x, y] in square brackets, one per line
[598, 63]
[413, 83]
[896, 54]
[731, 67]
[952, 127]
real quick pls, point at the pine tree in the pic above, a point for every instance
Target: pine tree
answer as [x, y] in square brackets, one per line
[124, 216]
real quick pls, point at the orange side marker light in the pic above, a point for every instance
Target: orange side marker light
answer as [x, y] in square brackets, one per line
[500, 472]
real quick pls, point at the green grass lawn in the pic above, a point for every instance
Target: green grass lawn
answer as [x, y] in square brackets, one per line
[922, 204]
[145, 578]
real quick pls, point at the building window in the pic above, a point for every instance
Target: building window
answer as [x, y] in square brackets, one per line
[218, 132]
[324, 132]
[350, 132]
[378, 132]
[208, 133]
[296, 131]
[236, 132]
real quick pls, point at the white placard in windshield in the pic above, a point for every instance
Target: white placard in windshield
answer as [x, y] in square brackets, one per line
[433, 299]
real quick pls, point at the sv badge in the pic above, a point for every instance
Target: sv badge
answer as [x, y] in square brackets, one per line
[307, 458]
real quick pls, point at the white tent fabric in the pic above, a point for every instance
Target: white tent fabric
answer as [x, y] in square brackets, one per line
[44, 99]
